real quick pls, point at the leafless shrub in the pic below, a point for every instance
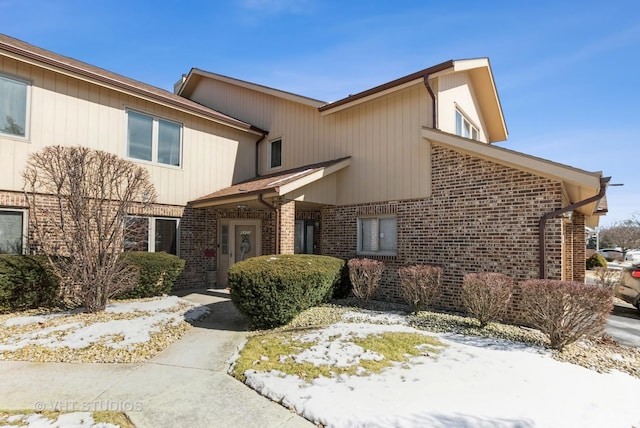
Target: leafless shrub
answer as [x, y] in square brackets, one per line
[566, 311]
[420, 285]
[365, 277]
[82, 232]
[486, 295]
[606, 278]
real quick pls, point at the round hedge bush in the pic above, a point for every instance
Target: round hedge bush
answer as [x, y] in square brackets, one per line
[272, 290]
[596, 260]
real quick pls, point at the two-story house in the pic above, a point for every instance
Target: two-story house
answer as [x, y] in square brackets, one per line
[405, 172]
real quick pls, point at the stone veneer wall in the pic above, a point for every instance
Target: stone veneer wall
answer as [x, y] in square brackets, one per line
[481, 216]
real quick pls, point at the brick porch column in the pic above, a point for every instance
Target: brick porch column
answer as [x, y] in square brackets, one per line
[567, 251]
[287, 226]
[579, 247]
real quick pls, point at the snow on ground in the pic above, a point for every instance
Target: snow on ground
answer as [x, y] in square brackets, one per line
[150, 315]
[67, 420]
[473, 382]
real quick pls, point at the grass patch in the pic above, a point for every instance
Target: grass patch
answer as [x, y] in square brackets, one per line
[115, 418]
[277, 351]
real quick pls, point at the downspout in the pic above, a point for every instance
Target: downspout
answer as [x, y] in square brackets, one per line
[604, 181]
[434, 118]
[277, 212]
[258, 153]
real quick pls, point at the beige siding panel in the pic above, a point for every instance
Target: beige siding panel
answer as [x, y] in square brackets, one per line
[321, 192]
[66, 111]
[457, 89]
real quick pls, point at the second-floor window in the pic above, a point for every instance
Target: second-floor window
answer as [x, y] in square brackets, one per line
[152, 139]
[13, 106]
[465, 128]
[275, 153]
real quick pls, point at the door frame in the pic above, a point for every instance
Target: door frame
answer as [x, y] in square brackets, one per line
[233, 223]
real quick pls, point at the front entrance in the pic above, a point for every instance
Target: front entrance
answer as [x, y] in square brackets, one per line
[239, 240]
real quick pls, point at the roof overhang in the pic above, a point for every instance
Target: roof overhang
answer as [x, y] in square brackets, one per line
[189, 83]
[42, 58]
[577, 184]
[273, 185]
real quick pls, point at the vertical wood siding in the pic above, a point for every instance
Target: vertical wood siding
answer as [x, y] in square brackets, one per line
[67, 111]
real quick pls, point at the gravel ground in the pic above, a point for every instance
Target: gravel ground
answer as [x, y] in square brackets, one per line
[601, 354]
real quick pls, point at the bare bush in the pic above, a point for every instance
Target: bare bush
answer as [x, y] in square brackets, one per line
[486, 295]
[420, 285]
[566, 311]
[83, 231]
[365, 277]
[607, 278]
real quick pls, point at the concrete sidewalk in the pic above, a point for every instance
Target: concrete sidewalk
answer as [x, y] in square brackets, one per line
[186, 385]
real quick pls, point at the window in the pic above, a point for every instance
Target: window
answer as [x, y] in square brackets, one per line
[275, 153]
[13, 107]
[464, 128]
[13, 231]
[153, 140]
[139, 230]
[377, 236]
[304, 237]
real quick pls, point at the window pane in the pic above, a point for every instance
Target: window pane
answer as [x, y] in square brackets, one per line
[140, 131]
[224, 239]
[458, 123]
[298, 239]
[169, 143]
[136, 234]
[474, 133]
[10, 232]
[13, 107]
[388, 235]
[369, 234]
[276, 154]
[166, 235]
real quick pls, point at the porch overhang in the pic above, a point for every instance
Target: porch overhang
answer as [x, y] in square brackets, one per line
[272, 185]
[578, 185]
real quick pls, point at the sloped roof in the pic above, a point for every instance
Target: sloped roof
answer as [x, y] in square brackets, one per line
[24, 51]
[276, 184]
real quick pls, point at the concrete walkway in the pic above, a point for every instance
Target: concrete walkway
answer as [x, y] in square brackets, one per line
[186, 385]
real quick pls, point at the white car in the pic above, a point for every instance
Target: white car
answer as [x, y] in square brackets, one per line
[632, 256]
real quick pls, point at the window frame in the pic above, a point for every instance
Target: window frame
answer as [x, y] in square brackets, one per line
[464, 120]
[25, 227]
[27, 118]
[361, 251]
[151, 231]
[270, 154]
[155, 139]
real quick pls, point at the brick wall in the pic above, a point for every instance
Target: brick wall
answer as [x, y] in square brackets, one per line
[481, 216]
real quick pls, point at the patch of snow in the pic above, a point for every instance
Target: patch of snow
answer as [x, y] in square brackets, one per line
[34, 319]
[377, 317]
[153, 305]
[473, 382]
[66, 420]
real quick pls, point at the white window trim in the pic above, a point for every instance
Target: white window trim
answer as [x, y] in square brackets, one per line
[27, 121]
[472, 124]
[151, 231]
[25, 226]
[269, 167]
[154, 140]
[360, 251]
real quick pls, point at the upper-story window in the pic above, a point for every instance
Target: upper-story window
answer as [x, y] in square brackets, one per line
[275, 153]
[465, 128]
[153, 139]
[14, 95]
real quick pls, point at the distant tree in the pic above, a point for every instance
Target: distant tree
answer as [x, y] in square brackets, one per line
[83, 231]
[624, 234]
[12, 127]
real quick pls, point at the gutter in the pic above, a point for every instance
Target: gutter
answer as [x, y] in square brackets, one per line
[604, 181]
[277, 212]
[434, 118]
[264, 135]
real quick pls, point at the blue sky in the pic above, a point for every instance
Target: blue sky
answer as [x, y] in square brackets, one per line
[566, 71]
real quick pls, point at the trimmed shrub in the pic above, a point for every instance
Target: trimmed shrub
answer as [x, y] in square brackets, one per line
[420, 285]
[486, 295]
[157, 273]
[272, 290]
[365, 275]
[26, 282]
[607, 278]
[595, 261]
[566, 311]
